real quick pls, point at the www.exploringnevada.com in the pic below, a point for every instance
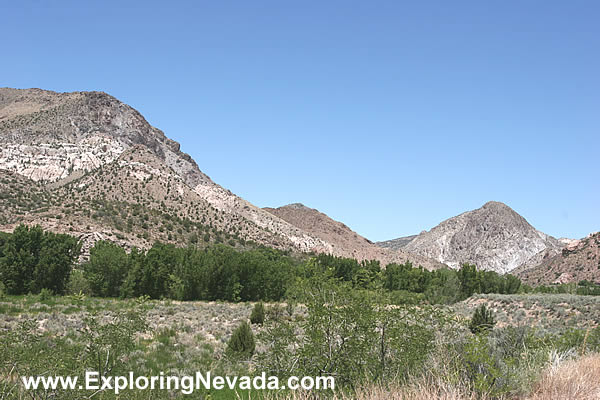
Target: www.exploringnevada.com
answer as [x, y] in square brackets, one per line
[186, 384]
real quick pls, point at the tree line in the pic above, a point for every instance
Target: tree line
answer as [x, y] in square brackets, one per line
[218, 272]
[32, 259]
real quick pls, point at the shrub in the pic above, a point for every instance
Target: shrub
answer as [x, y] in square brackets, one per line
[46, 294]
[258, 314]
[275, 312]
[482, 320]
[241, 344]
[109, 340]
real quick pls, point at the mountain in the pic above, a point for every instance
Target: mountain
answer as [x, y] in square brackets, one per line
[493, 237]
[342, 237]
[87, 164]
[90, 146]
[579, 260]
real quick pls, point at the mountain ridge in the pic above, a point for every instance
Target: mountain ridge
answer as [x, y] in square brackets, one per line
[79, 144]
[578, 260]
[493, 237]
[341, 236]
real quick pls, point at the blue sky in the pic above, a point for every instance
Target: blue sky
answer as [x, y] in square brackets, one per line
[388, 116]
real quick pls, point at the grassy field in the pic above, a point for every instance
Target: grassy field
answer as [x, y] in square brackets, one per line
[180, 338]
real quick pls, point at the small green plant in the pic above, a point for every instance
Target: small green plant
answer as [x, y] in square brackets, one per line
[46, 294]
[241, 344]
[275, 312]
[79, 298]
[289, 307]
[109, 343]
[257, 317]
[482, 320]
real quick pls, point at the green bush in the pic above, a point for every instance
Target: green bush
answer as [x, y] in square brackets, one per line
[257, 317]
[46, 294]
[241, 344]
[342, 325]
[482, 320]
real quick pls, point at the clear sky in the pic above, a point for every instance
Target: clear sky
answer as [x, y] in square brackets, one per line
[390, 116]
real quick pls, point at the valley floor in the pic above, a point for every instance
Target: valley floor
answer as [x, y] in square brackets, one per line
[181, 337]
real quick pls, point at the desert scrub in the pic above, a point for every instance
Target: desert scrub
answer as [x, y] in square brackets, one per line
[502, 363]
[550, 312]
[101, 343]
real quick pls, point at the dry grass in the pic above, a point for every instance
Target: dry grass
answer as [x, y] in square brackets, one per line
[419, 391]
[577, 379]
[571, 380]
[423, 389]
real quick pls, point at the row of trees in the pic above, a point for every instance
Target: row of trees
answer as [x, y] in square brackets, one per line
[216, 273]
[439, 286]
[464, 282]
[32, 260]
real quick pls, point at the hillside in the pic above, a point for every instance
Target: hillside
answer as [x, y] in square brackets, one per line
[493, 237]
[342, 237]
[88, 164]
[580, 260]
[71, 143]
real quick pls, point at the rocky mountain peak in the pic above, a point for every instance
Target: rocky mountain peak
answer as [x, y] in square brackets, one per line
[497, 206]
[493, 237]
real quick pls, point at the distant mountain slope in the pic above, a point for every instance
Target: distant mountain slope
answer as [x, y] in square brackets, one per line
[342, 237]
[494, 237]
[396, 244]
[88, 164]
[579, 260]
[57, 138]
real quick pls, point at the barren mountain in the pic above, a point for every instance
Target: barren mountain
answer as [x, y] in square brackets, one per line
[493, 237]
[342, 237]
[579, 260]
[87, 164]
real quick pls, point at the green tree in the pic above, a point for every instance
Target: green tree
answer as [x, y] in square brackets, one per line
[106, 269]
[257, 317]
[32, 260]
[469, 284]
[444, 287]
[242, 343]
[482, 320]
[512, 284]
